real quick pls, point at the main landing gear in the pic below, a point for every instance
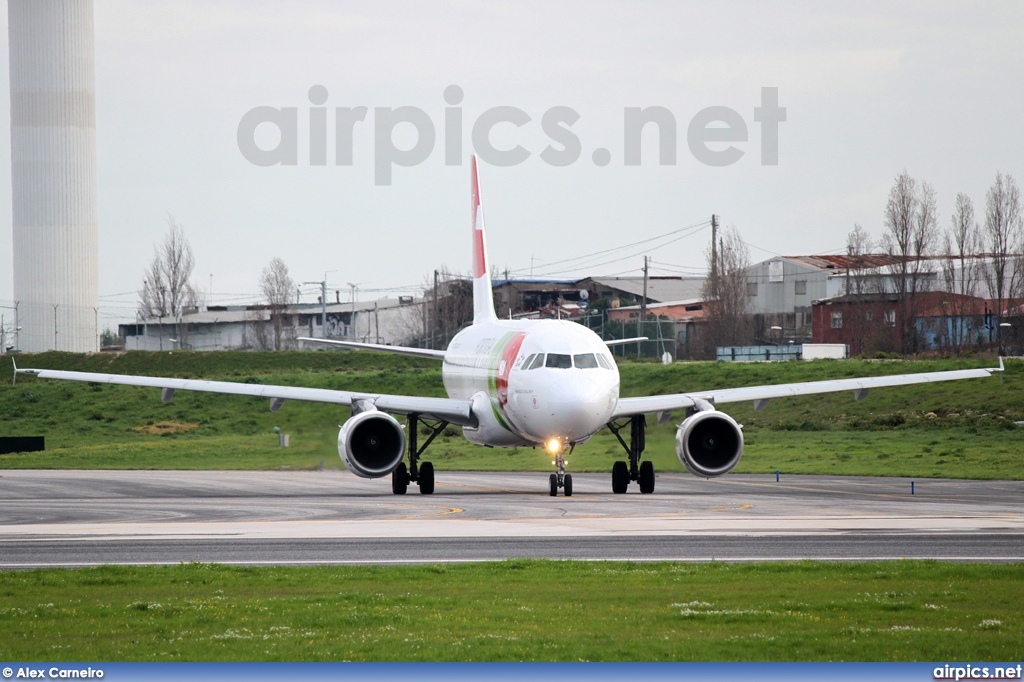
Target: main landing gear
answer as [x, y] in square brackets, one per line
[641, 472]
[421, 474]
[560, 479]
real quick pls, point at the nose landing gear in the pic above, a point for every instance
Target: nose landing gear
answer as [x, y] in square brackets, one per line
[561, 479]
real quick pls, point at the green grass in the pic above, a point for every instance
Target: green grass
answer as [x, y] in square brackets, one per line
[518, 610]
[957, 429]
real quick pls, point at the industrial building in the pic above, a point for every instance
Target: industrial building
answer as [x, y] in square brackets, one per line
[781, 290]
[523, 296]
[389, 321]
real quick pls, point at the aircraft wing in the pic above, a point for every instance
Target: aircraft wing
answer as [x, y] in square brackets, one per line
[399, 350]
[454, 411]
[663, 404]
[619, 342]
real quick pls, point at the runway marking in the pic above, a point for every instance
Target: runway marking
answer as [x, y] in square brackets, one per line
[662, 516]
[481, 487]
[448, 511]
[628, 559]
[931, 497]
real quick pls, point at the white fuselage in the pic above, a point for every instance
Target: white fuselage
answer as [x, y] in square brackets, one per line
[567, 395]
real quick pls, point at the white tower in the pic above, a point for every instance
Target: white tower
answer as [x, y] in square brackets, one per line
[53, 174]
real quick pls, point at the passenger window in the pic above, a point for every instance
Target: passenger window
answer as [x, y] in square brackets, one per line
[585, 361]
[538, 361]
[559, 361]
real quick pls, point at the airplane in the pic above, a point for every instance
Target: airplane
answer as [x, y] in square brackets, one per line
[515, 383]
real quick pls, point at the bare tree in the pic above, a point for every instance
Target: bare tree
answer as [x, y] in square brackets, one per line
[1003, 232]
[277, 287]
[858, 245]
[726, 301]
[255, 335]
[448, 300]
[166, 289]
[911, 226]
[961, 271]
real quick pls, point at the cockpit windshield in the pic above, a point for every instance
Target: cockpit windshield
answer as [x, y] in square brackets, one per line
[559, 361]
[585, 361]
[565, 361]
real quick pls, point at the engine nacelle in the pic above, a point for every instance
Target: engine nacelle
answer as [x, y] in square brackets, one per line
[371, 444]
[709, 443]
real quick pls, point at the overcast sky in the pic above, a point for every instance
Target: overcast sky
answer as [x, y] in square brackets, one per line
[870, 89]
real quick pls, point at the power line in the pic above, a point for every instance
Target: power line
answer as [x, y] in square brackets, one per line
[634, 254]
[695, 227]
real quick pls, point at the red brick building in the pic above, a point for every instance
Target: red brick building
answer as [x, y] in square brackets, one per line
[869, 323]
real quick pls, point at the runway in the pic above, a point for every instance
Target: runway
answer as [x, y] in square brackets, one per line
[80, 518]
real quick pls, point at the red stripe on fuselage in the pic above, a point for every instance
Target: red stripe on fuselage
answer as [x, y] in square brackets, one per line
[508, 356]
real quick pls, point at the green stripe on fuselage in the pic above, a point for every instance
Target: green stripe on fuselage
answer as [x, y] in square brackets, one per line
[492, 378]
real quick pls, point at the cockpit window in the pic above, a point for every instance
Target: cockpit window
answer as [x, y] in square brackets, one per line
[585, 361]
[608, 359]
[526, 362]
[537, 361]
[559, 361]
[602, 361]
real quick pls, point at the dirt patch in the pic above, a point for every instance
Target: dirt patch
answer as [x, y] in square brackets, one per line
[157, 428]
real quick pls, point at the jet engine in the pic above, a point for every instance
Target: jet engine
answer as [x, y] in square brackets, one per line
[371, 444]
[709, 443]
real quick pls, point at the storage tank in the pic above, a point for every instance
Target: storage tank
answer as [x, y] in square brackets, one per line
[53, 174]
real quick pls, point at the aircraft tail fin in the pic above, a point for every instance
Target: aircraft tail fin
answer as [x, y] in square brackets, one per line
[483, 297]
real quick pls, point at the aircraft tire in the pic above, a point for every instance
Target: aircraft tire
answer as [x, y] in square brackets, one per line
[646, 477]
[426, 478]
[400, 479]
[567, 485]
[620, 477]
[553, 485]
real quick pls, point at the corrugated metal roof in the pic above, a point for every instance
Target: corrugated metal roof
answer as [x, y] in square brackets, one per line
[658, 288]
[260, 312]
[844, 262]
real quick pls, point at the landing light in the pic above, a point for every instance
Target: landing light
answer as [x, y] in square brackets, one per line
[554, 445]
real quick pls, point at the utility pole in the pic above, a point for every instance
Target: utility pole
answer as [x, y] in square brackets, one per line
[352, 318]
[641, 323]
[433, 331]
[323, 308]
[714, 254]
[426, 315]
[323, 304]
[643, 302]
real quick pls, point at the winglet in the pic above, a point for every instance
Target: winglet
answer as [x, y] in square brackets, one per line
[619, 342]
[483, 296]
[14, 378]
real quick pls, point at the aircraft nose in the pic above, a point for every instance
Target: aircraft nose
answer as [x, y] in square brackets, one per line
[579, 407]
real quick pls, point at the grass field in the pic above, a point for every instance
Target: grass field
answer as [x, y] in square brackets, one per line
[518, 610]
[958, 429]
